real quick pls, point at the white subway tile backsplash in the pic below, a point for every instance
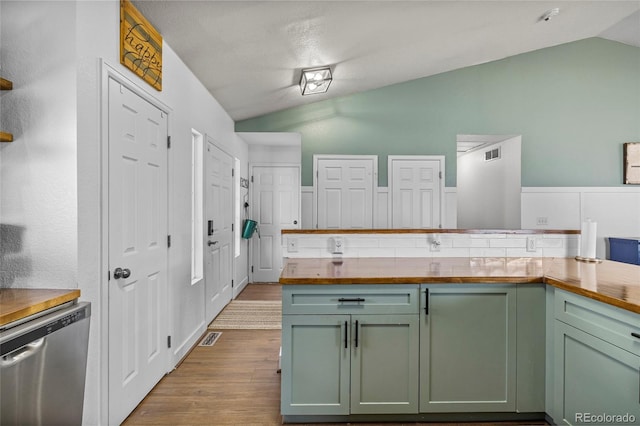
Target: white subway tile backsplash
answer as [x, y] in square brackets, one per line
[451, 252]
[523, 252]
[550, 243]
[508, 242]
[420, 245]
[397, 242]
[375, 252]
[487, 236]
[358, 242]
[471, 242]
[487, 252]
[412, 252]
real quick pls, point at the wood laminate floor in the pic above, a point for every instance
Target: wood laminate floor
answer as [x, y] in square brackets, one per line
[233, 382]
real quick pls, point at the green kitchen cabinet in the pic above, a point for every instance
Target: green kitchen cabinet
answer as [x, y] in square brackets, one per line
[596, 362]
[352, 354]
[384, 364]
[468, 348]
[316, 361]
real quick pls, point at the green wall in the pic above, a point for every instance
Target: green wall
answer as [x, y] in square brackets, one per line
[574, 105]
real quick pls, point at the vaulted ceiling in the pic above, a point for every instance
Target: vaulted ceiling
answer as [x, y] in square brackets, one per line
[249, 54]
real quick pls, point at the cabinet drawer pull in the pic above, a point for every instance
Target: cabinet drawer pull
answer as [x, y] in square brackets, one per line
[636, 335]
[356, 333]
[346, 334]
[426, 301]
[351, 299]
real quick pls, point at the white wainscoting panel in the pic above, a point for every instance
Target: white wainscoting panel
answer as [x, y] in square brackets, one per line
[382, 209]
[306, 208]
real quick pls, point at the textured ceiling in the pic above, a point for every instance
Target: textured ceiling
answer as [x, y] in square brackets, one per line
[249, 54]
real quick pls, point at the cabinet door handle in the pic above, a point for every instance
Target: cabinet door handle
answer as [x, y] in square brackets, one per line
[426, 301]
[636, 335]
[351, 299]
[356, 333]
[346, 333]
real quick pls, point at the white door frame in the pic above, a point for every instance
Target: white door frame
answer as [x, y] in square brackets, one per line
[108, 72]
[391, 158]
[374, 200]
[251, 212]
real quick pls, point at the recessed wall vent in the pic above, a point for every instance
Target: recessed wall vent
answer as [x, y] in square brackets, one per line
[492, 154]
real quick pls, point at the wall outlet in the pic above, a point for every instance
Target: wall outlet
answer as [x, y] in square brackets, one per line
[531, 244]
[338, 245]
[542, 220]
[292, 245]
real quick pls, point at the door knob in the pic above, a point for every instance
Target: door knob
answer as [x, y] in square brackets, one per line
[212, 243]
[295, 222]
[121, 273]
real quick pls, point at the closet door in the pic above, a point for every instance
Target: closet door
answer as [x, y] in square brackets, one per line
[276, 206]
[345, 191]
[416, 187]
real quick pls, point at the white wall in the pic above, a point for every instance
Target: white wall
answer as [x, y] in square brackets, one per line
[615, 209]
[241, 265]
[192, 106]
[38, 194]
[273, 147]
[489, 191]
[51, 175]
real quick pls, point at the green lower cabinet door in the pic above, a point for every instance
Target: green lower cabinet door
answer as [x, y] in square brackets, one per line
[384, 364]
[315, 364]
[596, 383]
[468, 348]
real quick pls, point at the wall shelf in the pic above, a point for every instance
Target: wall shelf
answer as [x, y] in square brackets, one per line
[6, 85]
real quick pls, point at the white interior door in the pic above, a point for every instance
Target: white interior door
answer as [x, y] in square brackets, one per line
[416, 187]
[138, 352]
[345, 191]
[275, 206]
[219, 238]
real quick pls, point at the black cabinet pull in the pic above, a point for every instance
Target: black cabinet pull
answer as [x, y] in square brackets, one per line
[356, 333]
[346, 333]
[636, 335]
[351, 299]
[426, 301]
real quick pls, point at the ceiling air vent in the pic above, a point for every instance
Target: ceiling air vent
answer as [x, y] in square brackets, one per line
[492, 154]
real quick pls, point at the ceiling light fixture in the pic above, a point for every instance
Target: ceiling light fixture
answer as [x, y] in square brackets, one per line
[315, 80]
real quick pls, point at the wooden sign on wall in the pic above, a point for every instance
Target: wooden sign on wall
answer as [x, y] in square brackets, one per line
[632, 163]
[140, 45]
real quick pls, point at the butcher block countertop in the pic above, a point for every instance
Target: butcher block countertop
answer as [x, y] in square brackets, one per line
[19, 303]
[610, 282]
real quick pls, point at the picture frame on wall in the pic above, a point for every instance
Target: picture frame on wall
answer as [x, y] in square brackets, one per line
[631, 163]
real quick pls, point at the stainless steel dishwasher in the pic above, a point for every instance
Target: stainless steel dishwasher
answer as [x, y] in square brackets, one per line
[43, 364]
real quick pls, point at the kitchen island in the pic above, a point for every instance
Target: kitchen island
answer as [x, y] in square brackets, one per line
[447, 339]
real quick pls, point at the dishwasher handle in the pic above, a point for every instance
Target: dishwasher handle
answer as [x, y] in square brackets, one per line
[22, 353]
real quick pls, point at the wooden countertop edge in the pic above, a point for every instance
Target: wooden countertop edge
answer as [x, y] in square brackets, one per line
[411, 280]
[592, 295]
[430, 231]
[21, 313]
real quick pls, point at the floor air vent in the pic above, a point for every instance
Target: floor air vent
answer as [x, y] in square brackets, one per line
[210, 338]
